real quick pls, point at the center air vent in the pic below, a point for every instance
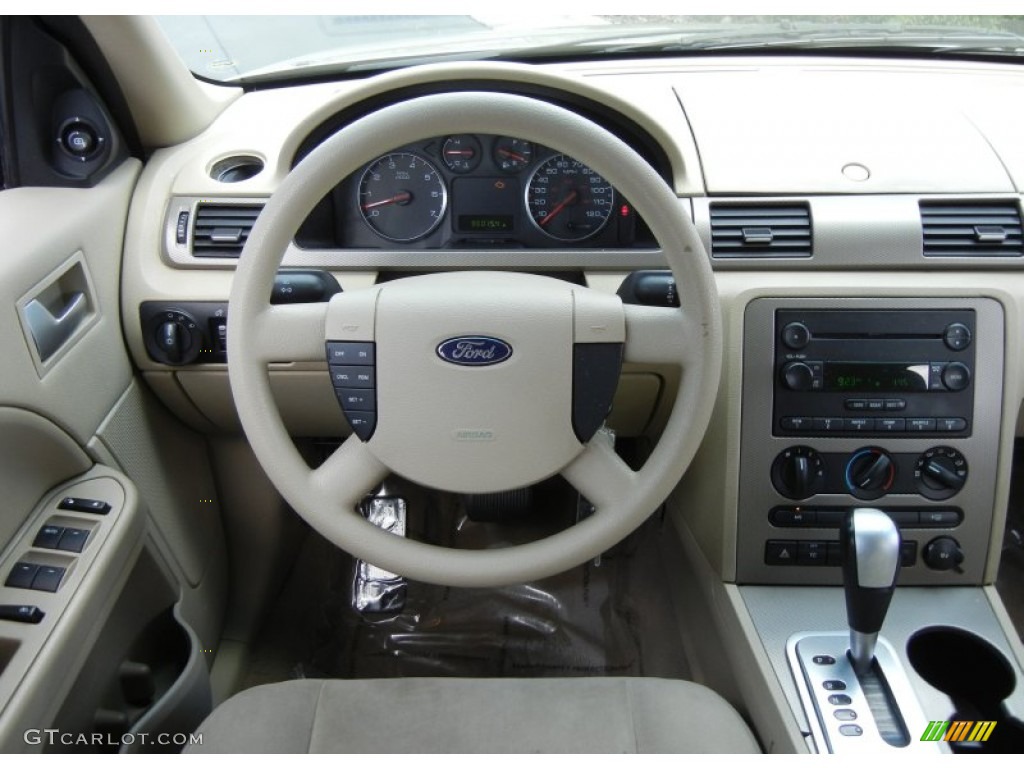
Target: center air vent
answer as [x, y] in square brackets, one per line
[761, 231]
[971, 228]
[221, 230]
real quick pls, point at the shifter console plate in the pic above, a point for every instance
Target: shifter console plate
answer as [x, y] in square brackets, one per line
[837, 704]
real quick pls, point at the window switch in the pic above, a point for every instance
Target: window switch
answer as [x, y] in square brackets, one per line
[26, 614]
[48, 578]
[21, 575]
[74, 504]
[73, 539]
[48, 537]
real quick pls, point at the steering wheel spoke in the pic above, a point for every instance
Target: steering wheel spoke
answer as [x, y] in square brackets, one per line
[661, 335]
[601, 475]
[346, 477]
[286, 333]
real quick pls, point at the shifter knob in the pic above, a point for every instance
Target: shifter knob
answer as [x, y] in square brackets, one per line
[870, 546]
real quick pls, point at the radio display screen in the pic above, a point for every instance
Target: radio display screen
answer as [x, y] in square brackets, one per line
[876, 377]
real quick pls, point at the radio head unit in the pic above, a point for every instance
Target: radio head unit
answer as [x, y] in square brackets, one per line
[898, 373]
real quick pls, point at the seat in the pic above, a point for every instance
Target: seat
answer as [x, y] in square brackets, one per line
[439, 715]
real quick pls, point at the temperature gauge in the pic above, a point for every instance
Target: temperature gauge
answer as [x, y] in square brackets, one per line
[461, 153]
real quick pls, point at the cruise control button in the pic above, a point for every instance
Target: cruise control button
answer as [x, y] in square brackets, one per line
[363, 423]
[851, 730]
[48, 537]
[351, 353]
[845, 714]
[357, 399]
[21, 575]
[353, 376]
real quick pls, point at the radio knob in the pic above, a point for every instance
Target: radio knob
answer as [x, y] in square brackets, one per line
[798, 472]
[956, 377]
[870, 473]
[795, 335]
[798, 376]
[940, 473]
[943, 554]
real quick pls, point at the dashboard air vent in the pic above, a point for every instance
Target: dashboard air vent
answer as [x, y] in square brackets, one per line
[221, 229]
[761, 231]
[971, 228]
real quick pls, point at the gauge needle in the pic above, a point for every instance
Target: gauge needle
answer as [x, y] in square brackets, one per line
[511, 155]
[401, 197]
[558, 208]
[460, 152]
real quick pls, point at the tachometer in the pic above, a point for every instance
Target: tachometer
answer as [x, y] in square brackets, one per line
[402, 197]
[567, 200]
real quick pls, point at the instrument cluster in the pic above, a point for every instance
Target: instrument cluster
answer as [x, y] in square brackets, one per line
[474, 191]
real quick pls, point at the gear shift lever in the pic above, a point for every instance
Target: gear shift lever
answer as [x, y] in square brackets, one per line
[870, 545]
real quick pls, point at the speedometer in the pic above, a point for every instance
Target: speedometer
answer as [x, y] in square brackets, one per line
[567, 200]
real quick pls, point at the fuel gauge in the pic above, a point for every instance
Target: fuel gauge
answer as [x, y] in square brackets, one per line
[512, 155]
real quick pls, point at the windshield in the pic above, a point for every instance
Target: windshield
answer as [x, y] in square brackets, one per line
[255, 48]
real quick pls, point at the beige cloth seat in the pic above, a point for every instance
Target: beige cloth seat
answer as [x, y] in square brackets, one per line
[436, 715]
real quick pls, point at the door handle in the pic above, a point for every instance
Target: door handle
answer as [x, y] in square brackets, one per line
[49, 330]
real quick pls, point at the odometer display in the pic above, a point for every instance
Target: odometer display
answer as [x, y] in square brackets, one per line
[568, 200]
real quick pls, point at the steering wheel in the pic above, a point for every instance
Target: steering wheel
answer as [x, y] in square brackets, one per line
[545, 353]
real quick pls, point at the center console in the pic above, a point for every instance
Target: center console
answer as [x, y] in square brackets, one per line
[889, 403]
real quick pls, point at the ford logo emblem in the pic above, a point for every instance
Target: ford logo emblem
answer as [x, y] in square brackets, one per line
[474, 350]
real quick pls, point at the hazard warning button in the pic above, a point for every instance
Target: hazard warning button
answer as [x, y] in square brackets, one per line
[778, 552]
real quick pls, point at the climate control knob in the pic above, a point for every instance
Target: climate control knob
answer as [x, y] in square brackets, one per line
[797, 376]
[798, 472]
[940, 472]
[943, 554]
[870, 473]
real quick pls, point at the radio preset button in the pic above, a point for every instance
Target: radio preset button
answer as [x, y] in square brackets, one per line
[797, 423]
[920, 425]
[951, 425]
[890, 425]
[829, 424]
[957, 336]
[859, 425]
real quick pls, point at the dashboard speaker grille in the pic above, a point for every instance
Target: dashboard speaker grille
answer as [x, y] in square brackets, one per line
[963, 228]
[221, 230]
[776, 231]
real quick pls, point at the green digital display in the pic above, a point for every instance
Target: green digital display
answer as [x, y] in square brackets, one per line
[876, 377]
[484, 223]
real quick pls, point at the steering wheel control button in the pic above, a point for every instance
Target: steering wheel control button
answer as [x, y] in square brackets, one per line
[21, 575]
[363, 423]
[353, 376]
[48, 578]
[25, 614]
[48, 537]
[357, 399]
[595, 377]
[351, 353]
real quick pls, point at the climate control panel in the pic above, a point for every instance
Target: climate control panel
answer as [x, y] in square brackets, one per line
[894, 404]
